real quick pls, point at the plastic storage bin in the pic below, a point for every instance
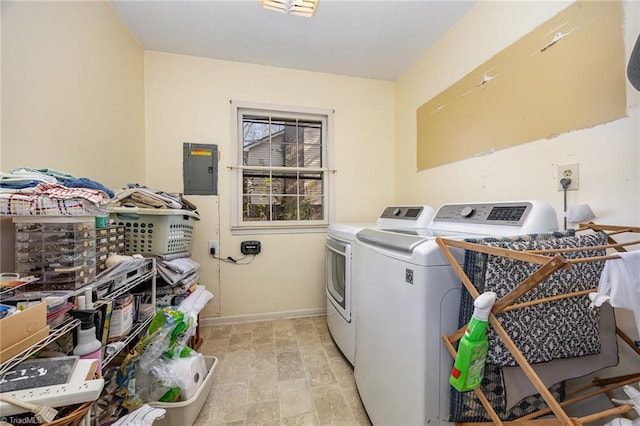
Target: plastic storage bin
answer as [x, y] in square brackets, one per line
[59, 251]
[155, 231]
[109, 240]
[186, 412]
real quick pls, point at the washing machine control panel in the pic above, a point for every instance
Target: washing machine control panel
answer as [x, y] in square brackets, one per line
[484, 213]
[406, 217]
[402, 212]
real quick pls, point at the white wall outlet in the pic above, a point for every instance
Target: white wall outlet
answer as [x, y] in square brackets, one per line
[214, 247]
[569, 171]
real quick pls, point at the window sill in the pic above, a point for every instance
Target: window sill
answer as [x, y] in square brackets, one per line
[300, 229]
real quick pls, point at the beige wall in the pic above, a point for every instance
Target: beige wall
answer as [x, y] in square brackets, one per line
[607, 154]
[72, 91]
[187, 100]
[72, 95]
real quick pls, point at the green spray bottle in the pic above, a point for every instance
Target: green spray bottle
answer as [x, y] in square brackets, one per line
[468, 368]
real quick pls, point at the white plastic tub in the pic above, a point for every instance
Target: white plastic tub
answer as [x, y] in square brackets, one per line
[185, 413]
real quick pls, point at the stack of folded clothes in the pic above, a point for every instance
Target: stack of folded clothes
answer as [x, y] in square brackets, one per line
[47, 192]
[177, 278]
[135, 195]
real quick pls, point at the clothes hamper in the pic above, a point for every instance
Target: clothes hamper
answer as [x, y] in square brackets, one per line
[155, 231]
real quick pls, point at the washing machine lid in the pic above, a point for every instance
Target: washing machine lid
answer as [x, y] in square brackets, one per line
[390, 240]
[407, 240]
[347, 231]
[433, 233]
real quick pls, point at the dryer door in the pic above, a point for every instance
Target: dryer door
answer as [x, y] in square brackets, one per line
[338, 276]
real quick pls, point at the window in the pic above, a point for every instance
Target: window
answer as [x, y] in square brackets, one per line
[282, 176]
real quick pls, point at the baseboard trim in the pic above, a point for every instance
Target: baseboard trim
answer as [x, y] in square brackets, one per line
[235, 319]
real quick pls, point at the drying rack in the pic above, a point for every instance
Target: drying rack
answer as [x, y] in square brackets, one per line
[550, 261]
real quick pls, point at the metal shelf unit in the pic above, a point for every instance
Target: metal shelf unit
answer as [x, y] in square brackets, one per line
[54, 334]
[124, 281]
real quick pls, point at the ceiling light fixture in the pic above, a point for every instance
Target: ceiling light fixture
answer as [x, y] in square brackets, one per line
[306, 8]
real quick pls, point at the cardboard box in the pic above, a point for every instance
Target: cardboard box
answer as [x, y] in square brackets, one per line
[13, 350]
[21, 330]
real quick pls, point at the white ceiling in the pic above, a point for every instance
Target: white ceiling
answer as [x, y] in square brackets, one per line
[370, 39]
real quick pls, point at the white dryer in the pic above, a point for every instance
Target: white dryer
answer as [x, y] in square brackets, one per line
[409, 296]
[340, 270]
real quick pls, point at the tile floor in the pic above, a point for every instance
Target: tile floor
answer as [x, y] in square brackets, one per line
[279, 372]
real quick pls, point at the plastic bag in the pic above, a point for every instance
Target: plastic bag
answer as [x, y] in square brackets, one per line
[165, 339]
[171, 380]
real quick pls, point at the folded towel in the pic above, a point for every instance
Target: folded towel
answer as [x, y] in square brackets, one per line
[87, 183]
[182, 266]
[61, 192]
[149, 195]
[171, 277]
[172, 256]
[58, 174]
[20, 176]
[620, 284]
[42, 176]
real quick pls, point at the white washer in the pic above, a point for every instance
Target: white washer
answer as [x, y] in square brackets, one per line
[340, 271]
[409, 296]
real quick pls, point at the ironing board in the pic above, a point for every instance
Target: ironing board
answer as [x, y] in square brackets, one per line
[549, 261]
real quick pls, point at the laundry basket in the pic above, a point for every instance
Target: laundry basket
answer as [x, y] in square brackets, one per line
[71, 415]
[155, 231]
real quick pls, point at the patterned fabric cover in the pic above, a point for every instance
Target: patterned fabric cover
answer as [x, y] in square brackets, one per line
[561, 329]
[465, 406]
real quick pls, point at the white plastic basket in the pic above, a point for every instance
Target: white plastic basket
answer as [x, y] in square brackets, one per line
[155, 231]
[186, 412]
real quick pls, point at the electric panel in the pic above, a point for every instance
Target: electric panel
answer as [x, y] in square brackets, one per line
[200, 169]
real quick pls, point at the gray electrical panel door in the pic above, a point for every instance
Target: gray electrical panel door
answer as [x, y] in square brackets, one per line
[200, 169]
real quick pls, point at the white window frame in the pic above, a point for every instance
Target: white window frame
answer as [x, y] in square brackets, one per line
[238, 225]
